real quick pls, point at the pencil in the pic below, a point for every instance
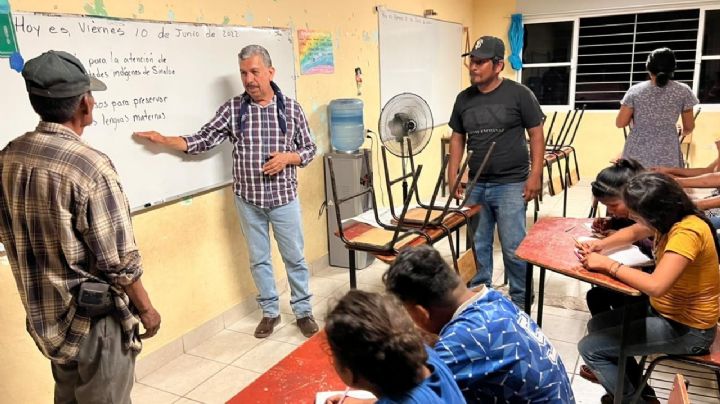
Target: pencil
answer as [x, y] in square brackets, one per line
[578, 244]
[344, 396]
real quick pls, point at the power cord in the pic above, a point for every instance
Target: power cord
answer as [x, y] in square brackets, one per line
[377, 160]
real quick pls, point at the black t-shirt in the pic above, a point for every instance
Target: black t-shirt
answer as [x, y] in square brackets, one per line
[500, 116]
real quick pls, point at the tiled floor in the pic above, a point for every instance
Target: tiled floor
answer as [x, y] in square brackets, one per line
[217, 369]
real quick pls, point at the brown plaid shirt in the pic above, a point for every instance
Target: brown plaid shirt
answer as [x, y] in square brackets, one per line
[64, 219]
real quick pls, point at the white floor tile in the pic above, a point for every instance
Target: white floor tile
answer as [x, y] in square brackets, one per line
[586, 392]
[264, 356]
[568, 353]
[324, 287]
[143, 394]
[563, 329]
[182, 374]
[223, 386]
[336, 273]
[225, 346]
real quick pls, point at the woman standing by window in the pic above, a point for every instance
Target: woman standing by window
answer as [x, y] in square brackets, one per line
[653, 107]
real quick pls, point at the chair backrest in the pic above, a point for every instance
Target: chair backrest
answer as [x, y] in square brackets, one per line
[389, 182]
[548, 138]
[593, 209]
[471, 184]
[679, 393]
[562, 139]
[577, 125]
[337, 201]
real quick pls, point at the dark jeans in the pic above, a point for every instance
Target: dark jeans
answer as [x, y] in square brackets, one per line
[600, 300]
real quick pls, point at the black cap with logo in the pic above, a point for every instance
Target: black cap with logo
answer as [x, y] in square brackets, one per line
[487, 47]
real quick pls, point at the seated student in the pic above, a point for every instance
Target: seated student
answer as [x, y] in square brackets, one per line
[377, 348]
[703, 177]
[607, 190]
[684, 288]
[495, 352]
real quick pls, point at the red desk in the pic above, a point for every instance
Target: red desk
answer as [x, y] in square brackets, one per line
[295, 379]
[549, 244]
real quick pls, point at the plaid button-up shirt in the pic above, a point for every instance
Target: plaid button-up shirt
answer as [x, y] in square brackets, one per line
[64, 219]
[254, 136]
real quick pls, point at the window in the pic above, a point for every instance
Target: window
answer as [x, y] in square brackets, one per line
[709, 88]
[547, 56]
[611, 52]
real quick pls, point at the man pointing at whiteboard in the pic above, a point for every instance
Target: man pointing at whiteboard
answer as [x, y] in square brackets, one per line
[270, 138]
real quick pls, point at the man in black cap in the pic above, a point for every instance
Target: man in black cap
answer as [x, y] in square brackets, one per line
[65, 224]
[494, 109]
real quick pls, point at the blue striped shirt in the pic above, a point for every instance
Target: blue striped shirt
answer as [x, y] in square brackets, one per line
[498, 354]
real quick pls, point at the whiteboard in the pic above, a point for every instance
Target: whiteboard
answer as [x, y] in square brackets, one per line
[422, 56]
[160, 76]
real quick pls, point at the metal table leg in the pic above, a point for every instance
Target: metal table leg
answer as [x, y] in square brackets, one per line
[352, 267]
[528, 288]
[541, 296]
[622, 359]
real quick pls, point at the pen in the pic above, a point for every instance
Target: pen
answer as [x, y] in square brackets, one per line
[344, 396]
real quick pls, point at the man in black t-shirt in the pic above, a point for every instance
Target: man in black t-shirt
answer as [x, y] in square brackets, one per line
[494, 109]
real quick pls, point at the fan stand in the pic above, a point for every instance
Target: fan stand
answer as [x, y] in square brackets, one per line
[404, 170]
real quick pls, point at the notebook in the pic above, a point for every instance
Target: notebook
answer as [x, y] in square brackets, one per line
[627, 255]
[322, 396]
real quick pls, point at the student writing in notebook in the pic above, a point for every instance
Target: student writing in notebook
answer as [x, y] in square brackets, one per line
[376, 347]
[607, 190]
[683, 290]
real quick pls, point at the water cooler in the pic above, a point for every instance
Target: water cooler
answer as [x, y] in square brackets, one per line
[347, 134]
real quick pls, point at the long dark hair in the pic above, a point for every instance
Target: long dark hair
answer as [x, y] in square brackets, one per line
[610, 181]
[661, 63]
[373, 336]
[662, 202]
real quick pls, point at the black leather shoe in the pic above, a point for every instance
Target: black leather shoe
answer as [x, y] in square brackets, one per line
[308, 326]
[266, 326]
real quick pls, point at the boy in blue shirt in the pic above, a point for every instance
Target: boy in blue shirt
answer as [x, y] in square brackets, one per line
[496, 352]
[376, 347]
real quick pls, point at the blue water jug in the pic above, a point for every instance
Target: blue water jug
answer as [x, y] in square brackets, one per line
[347, 131]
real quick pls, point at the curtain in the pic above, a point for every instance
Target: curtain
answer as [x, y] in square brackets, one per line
[516, 41]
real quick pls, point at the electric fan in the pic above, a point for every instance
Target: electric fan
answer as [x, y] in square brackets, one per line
[405, 116]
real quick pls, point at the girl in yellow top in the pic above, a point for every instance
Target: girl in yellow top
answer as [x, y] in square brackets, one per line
[684, 288]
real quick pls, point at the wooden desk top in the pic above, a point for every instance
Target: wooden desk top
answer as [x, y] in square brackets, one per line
[296, 378]
[354, 229]
[549, 244]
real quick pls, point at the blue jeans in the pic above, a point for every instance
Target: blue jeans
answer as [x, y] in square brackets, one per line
[715, 220]
[287, 228]
[501, 204]
[648, 333]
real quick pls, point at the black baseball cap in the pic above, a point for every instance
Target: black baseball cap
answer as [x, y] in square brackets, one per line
[58, 74]
[488, 47]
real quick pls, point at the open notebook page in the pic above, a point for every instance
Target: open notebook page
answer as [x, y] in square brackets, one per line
[628, 255]
[322, 396]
